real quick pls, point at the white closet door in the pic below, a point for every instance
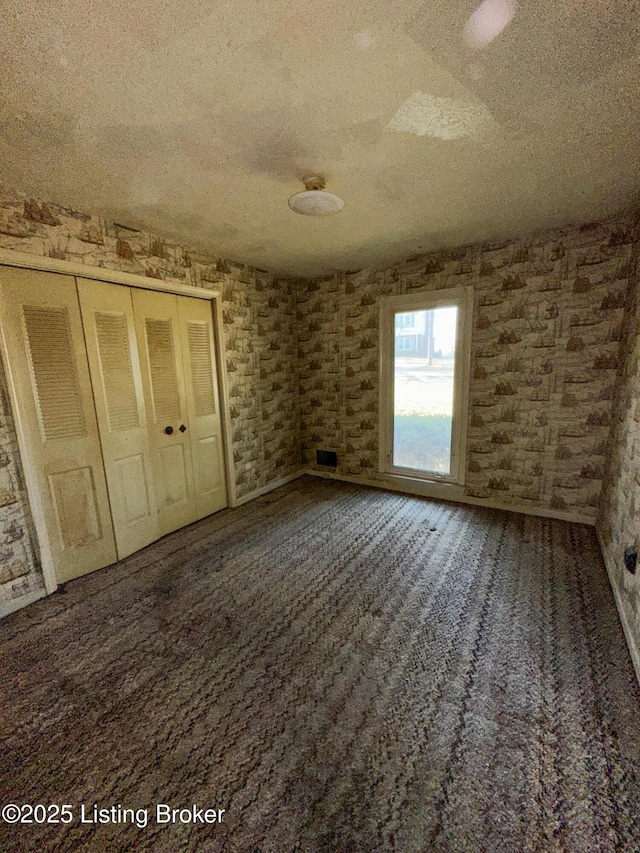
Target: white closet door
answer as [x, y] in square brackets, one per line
[50, 375]
[201, 387]
[107, 314]
[159, 345]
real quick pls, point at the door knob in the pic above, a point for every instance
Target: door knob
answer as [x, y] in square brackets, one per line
[169, 430]
[182, 428]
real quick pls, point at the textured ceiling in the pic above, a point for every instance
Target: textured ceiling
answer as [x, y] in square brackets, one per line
[199, 119]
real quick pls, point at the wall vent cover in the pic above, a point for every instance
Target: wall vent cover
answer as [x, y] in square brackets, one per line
[326, 457]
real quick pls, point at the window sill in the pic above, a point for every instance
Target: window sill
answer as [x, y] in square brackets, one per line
[426, 488]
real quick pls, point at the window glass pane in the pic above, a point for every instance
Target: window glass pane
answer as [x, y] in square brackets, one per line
[425, 343]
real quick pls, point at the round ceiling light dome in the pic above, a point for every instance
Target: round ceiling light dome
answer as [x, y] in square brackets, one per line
[315, 200]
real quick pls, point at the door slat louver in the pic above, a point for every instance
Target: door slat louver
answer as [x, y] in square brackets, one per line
[162, 367]
[117, 371]
[201, 369]
[57, 392]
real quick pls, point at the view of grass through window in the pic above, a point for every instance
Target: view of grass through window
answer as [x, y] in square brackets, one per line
[423, 389]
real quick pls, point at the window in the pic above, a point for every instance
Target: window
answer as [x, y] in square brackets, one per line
[405, 321]
[406, 343]
[424, 384]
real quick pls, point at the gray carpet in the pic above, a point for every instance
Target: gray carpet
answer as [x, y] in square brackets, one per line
[342, 670]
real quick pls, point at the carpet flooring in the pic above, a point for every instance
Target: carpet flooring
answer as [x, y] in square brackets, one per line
[342, 670]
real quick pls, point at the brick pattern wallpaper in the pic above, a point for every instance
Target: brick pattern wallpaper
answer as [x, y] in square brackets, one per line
[547, 327]
[260, 343]
[261, 355]
[19, 564]
[619, 518]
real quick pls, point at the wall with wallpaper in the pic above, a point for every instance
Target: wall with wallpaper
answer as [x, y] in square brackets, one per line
[20, 576]
[260, 344]
[302, 359]
[547, 327]
[619, 519]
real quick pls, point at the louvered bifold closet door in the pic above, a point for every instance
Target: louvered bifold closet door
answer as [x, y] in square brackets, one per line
[198, 356]
[107, 314]
[50, 377]
[159, 345]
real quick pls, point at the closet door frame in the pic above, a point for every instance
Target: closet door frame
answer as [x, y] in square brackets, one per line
[9, 258]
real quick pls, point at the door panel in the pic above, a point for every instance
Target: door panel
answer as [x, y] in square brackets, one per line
[132, 484]
[174, 479]
[159, 344]
[45, 343]
[198, 356]
[107, 313]
[208, 450]
[76, 506]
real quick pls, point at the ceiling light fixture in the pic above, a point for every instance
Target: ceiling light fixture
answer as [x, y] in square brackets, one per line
[315, 200]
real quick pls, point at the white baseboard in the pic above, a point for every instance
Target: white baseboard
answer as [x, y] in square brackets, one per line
[7, 607]
[274, 484]
[632, 643]
[452, 493]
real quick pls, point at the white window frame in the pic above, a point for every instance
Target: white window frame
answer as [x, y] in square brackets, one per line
[462, 299]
